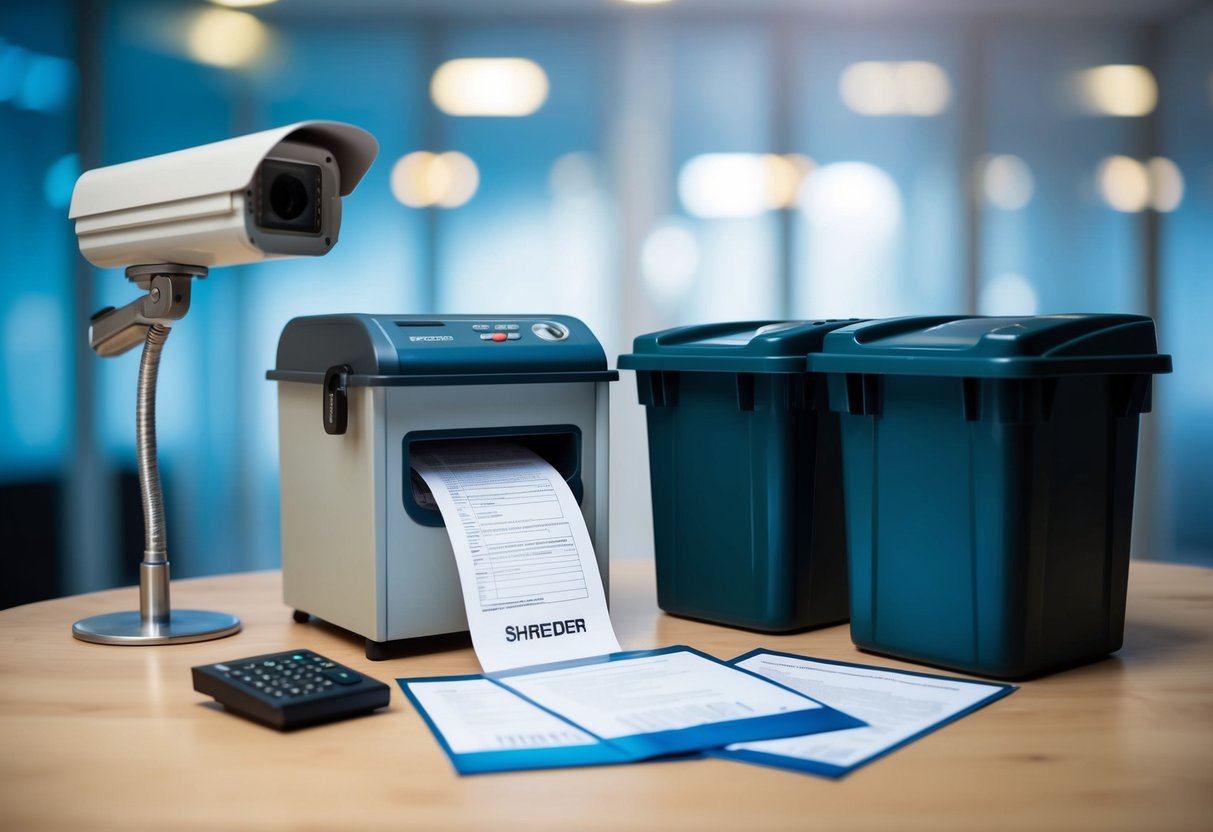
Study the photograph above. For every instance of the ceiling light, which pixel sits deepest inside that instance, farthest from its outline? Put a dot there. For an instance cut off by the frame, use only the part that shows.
(1123, 183)
(1006, 182)
(225, 38)
(1166, 184)
(720, 185)
(895, 88)
(423, 179)
(1118, 90)
(489, 87)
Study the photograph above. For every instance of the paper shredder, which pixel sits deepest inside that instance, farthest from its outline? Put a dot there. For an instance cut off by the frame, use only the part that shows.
(358, 393)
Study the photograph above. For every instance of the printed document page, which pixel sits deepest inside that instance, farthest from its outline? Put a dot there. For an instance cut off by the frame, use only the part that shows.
(478, 715)
(530, 581)
(653, 692)
(484, 727)
(898, 706)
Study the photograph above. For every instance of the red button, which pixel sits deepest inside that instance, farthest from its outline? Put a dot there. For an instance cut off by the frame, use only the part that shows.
(498, 336)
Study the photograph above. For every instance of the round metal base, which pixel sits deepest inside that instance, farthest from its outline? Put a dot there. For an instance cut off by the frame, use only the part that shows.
(182, 627)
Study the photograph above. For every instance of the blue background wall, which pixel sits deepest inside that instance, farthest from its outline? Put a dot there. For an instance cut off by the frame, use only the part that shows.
(569, 201)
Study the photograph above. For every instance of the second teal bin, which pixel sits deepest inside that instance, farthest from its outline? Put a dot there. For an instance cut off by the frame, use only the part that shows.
(989, 467)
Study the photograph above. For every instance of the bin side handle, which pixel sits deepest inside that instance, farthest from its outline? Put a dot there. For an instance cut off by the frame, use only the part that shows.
(863, 394)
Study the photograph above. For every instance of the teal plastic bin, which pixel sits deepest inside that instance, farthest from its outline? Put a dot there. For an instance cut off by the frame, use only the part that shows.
(745, 473)
(989, 466)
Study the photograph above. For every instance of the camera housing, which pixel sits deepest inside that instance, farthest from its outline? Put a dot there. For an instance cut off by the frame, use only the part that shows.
(263, 196)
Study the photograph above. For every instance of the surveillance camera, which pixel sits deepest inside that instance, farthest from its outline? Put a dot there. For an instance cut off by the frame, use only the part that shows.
(257, 197)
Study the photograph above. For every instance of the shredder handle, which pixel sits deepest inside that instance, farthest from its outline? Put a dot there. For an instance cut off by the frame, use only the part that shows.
(335, 408)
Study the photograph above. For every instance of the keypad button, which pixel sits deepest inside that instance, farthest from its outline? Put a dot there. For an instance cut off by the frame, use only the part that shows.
(343, 677)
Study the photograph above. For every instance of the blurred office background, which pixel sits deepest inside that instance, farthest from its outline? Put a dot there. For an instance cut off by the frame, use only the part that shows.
(639, 166)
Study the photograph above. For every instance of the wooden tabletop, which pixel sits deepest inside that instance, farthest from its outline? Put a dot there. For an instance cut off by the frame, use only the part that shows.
(101, 737)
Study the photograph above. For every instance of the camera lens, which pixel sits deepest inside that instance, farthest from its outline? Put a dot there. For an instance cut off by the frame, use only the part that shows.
(288, 196)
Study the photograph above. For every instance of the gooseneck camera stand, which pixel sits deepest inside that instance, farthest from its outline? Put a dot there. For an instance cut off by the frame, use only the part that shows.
(114, 331)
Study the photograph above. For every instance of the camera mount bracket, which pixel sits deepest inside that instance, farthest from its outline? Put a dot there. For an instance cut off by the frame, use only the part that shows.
(113, 332)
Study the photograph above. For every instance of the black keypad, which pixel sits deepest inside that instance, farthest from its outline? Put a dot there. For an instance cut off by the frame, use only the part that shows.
(288, 690)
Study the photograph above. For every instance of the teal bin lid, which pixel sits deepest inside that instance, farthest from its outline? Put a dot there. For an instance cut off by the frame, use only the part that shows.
(989, 347)
(736, 347)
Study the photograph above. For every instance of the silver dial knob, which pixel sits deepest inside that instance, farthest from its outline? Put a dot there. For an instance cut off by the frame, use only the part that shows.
(550, 331)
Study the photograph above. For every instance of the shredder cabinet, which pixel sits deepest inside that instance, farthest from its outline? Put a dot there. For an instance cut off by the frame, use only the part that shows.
(358, 549)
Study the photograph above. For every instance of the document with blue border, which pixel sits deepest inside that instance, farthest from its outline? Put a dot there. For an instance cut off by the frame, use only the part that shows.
(899, 706)
(624, 707)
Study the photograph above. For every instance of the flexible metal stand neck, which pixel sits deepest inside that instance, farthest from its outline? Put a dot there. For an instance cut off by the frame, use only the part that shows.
(113, 332)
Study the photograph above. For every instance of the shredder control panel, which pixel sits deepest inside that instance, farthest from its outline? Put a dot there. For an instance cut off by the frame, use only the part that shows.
(400, 346)
(495, 332)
